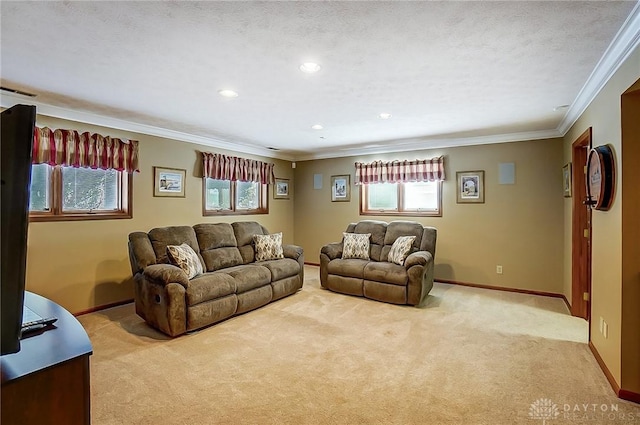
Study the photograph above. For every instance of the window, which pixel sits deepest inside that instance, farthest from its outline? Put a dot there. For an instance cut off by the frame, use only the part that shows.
(69, 193)
(411, 199)
(226, 197)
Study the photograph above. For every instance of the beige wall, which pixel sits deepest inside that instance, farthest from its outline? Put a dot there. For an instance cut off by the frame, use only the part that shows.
(84, 264)
(603, 115)
(519, 226)
(630, 362)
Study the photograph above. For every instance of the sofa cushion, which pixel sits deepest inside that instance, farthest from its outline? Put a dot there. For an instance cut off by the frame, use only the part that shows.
(349, 268)
(209, 286)
(221, 258)
(356, 246)
(268, 247)
(400, 249)
(215, 235)
(248, 276)
(141, 252)
(398, 228)
(173, 235)
(378, 230)
(244, 231)
(186, 258)
(385, 272)
(282, 268)
(218, 245)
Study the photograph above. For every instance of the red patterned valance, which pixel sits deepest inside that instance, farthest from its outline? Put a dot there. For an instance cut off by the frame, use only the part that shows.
(223, 167)
(72, 149)
(420, 170)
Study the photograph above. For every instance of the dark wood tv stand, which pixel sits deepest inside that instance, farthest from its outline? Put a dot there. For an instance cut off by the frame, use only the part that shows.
(47, 381)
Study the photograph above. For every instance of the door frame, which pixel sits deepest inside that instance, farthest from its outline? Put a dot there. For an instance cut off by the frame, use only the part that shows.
(580, 231)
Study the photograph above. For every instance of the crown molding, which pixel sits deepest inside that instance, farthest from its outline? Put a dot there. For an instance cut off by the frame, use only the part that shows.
(624, 43)
(425, 143)
(8, 99)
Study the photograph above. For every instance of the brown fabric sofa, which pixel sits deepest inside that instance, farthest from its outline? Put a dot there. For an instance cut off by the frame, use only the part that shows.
(232, 282)
(377, 278)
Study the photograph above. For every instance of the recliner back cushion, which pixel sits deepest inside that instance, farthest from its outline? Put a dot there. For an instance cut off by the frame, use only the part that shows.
(218, 245)
(244, 231)
(141, 252)
(398, 228)
(429, 238)
(378, 230)
(160, 237)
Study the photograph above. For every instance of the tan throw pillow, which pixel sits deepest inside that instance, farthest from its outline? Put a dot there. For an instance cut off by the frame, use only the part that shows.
(356, 245)
(268, 247)
(186, 258)
(400, 249)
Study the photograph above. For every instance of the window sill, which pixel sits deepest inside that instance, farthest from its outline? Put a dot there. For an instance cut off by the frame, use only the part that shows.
(403, 213)
(79, 217)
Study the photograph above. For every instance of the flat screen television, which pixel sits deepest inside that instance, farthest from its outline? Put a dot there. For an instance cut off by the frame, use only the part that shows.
(17, 127)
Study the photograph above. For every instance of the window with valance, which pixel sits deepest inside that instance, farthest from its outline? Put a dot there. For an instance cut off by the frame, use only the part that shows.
(234, 185)
(412, 188)
(420, 170)
(81, 176)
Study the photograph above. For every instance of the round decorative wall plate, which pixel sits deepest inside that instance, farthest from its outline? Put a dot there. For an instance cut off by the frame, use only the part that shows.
(601, 178)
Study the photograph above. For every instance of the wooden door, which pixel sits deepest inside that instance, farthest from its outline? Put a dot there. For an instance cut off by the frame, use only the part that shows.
(581, 230)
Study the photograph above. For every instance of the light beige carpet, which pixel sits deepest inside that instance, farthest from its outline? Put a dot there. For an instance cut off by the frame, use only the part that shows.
(470, 356)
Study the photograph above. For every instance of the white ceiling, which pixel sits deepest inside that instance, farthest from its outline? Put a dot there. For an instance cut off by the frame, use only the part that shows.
(450, 73)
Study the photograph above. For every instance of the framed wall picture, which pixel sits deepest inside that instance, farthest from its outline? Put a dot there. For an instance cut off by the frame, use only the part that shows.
(470, 189)
(566, 180)
(281, 189)
(169, 182)
(341, 188)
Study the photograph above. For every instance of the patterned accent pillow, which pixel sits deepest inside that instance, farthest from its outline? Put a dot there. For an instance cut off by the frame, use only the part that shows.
(186, 258)
(268, 247)
(400, 249)
(356, 245)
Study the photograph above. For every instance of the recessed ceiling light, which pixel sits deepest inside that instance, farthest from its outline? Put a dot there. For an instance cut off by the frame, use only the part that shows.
(317, 127)
(228, 93)
(310, 67)
(560, 108)
(385, 115)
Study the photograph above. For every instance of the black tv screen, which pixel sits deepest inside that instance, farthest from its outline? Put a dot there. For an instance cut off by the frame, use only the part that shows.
(16, 139)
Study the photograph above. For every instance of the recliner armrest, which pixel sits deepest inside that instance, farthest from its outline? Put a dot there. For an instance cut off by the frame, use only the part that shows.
(332, 250)
(292, 251)
(165, 274)
(418, 258)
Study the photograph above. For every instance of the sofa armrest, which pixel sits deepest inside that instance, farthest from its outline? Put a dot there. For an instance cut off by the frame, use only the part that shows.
(418, 258)
(420, 266)
(292, 251)
(332, 250)
(164, 274)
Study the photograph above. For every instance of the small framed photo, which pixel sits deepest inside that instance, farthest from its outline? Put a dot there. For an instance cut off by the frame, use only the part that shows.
(470, 187)
(281, 189)
(341, 188)
(169, 182)
(566, 180)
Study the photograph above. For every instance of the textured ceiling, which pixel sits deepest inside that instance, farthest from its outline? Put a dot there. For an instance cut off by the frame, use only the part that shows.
(444, 70)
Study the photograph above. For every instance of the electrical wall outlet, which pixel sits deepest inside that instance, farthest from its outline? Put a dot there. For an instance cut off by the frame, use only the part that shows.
(499, 269)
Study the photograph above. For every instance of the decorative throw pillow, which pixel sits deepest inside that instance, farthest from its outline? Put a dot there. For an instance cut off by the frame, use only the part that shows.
(400, 249)
(268, 247)
(186, 258)
(356, 245)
